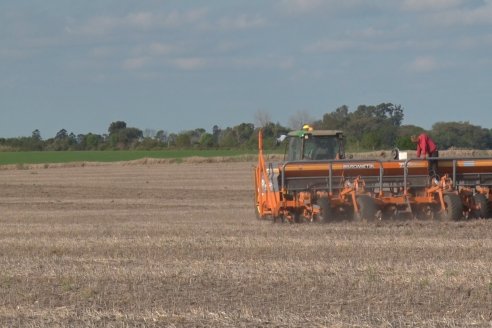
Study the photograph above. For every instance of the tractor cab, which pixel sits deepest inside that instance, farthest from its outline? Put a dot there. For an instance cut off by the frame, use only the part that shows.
(311, 145)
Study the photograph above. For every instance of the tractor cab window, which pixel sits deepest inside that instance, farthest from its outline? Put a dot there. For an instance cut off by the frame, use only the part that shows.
(311, 147)
(294, 149)
(320, 148)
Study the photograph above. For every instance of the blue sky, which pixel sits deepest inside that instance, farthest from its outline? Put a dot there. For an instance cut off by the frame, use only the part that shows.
(179, 65)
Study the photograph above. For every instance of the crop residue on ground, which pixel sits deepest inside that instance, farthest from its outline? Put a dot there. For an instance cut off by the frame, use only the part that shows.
(177, 245)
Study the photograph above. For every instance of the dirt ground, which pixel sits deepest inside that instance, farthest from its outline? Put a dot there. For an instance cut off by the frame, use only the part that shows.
(177, 245)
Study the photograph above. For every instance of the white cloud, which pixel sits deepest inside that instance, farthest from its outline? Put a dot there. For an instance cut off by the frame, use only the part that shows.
(326, 46)
(242, 22)
(302, 6)
(154, 50)
(228, 46)
(96, 26)
(423, 64)
(312, 6)
(304, 74)
(161, 49)
(472, 42)
(102, 52)
(368, 32)
(269, 62)
(103, 25)
(190, 64)
(11, 53)
(476, 16)
(423, 5)
(134, 63)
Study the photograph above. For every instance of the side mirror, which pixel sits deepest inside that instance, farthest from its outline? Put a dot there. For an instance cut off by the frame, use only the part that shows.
(280, 139)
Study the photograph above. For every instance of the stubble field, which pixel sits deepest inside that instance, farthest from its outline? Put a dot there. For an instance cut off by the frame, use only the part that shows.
(177, 245)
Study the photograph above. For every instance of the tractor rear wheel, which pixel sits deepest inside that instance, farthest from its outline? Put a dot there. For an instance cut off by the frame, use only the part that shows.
(482, 206)
(454, 208)
(367, 209)
(325, 210)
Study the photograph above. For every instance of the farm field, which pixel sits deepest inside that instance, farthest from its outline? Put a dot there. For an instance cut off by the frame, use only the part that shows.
(177, 245)
(42, 157)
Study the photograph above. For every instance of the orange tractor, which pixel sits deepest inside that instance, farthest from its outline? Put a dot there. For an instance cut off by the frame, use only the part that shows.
(315, 182)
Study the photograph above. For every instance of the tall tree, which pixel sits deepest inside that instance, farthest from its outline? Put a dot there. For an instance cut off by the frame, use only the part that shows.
(403, 141)
(216, 134)
(36, 135)
(61, 135)
(299, 118)
(461, 135)
(243, 132)
(161, 136)
(114, 127)
(183, 140)
(336, 120)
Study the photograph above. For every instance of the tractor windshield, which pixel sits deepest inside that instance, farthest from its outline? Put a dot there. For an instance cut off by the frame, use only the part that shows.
(311, 147)
(318, 148)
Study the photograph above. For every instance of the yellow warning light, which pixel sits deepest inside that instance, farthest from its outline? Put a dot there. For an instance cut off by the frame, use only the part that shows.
(307, 127)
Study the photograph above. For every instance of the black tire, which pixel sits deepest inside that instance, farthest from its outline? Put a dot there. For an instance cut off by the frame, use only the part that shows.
(278, 219)
(325, 214)
(424, 212)
(454, 208)
(367, 209)
(297, 217)
(483, 209)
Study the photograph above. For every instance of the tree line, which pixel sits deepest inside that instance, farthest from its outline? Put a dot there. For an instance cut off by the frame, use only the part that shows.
(366, 128)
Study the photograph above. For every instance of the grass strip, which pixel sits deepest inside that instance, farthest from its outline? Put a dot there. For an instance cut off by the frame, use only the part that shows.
(42, 157)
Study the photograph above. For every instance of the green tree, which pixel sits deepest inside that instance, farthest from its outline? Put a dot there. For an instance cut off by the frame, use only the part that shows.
(227, 139)
(92, 141)
(61, 135)
(171, 139)
(216, 134)
(62, 141)
(36, 135)
(243, 132)
(336, 120)
(271, 132)
(196, 135)
(207, 140)
(378, 124)
(183, 140)
(460, 135)
(130, 135)
(114, 127)
(123, 137)
(161, 136)
(403, 141)
(35, 142)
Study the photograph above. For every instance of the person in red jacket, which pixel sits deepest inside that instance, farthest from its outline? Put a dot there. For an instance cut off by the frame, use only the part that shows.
(426, 147)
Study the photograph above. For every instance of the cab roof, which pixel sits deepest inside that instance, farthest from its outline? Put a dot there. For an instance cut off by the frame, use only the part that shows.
(316, 133)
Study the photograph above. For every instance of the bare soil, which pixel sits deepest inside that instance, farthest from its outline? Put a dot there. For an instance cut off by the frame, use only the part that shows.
(178, 245)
